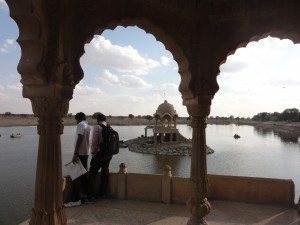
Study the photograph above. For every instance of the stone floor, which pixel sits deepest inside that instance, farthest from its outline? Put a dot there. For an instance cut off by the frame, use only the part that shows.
(128, 212)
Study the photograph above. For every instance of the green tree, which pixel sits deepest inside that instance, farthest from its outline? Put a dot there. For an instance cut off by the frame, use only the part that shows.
(290, 115)
(7, 114)
(148, 117)
(131, 116)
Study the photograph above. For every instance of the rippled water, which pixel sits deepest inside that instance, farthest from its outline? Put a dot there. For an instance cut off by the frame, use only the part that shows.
(257, 153)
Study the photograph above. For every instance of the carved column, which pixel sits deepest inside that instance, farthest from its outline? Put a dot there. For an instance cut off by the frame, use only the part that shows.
(48, 202)
(198, 203)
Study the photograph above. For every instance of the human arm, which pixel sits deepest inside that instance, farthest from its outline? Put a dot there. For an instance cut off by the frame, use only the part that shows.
(77, 145)
(95, 140)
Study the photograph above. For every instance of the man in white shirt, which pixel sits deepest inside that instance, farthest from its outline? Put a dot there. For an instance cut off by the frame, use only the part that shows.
(81, 152)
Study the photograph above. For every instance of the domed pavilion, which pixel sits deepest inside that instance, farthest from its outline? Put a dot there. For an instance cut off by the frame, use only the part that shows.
(165, 130)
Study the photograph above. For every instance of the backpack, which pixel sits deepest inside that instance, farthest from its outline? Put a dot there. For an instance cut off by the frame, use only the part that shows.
(110, 141)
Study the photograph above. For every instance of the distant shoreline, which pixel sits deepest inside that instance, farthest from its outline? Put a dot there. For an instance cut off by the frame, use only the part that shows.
(14, 121)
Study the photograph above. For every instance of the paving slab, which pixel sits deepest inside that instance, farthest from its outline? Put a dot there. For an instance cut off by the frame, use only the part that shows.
(130, 212)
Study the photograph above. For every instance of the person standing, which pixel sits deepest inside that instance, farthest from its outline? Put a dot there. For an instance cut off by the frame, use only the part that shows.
(99, 160)
(81, 152)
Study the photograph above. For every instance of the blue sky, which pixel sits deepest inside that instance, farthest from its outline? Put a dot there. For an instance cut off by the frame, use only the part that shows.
(128, 72)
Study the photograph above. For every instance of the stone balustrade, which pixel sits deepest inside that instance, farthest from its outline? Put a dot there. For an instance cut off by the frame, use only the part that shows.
(170, 189)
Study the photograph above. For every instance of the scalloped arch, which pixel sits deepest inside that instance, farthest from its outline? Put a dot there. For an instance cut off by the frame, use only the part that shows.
(159, 34)
(294, 37)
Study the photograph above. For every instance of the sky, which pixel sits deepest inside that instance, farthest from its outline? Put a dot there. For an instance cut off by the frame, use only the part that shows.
(127, 71)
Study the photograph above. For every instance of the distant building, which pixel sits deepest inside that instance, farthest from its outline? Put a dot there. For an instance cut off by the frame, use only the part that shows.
(165, 124)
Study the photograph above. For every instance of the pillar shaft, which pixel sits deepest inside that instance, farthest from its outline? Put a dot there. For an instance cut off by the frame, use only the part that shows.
(198, 203)
(48, 202)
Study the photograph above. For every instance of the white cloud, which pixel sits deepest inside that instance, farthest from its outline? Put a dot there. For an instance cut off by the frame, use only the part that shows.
(263, 77)
(11, 99)
(107, 78)
(82, 89)
(3, 96)
(130, 81)
(7, 45)
(91, 99)
(167, 90)
(3, 50)
(126, 81)
(165, 60)
(17, 87)
(3, 4)
(101, 52)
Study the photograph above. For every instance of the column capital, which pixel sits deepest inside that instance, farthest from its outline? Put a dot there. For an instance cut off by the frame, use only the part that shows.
(199, 115)
(199, 106)
(50, 111)
(49, 106)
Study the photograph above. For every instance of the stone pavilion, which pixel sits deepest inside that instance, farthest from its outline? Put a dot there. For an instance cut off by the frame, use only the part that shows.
(165, 124)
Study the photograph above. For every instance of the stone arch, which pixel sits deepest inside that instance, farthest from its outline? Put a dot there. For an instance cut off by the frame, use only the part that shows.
(293, 36)
(30, 41)
(160, 35)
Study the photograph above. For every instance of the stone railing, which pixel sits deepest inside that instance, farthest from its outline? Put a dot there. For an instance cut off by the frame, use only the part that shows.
(168, 189)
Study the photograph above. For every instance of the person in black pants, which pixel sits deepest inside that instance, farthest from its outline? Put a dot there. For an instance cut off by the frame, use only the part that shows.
(81, 152)
(99, 161)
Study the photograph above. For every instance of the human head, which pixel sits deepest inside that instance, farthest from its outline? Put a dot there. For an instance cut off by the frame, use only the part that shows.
(80, 117)
(101, 117)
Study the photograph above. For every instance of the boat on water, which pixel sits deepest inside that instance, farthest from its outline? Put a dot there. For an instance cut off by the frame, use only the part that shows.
(16, 135)
(122, 144)
(236, 136)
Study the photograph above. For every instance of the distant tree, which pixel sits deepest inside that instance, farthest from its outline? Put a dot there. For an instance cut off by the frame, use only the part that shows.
(148, 117)
(131, 116)
(69, 115)
(275, 116)
(7, 114)
(290, 115)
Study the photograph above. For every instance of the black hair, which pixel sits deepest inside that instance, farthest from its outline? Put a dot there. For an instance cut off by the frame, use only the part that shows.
(80, 116)
(101, 117)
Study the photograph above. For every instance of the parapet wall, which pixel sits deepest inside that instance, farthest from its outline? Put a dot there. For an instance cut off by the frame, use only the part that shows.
(168, 189)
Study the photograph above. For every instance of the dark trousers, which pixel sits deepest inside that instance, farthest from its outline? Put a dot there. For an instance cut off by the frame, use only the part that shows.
(98, 161)
(80, 185)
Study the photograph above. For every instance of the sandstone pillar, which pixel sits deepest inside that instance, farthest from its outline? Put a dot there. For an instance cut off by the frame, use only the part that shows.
(122, 182)
(155, 138)
(48, 202)
(166, 185)
(198, 203)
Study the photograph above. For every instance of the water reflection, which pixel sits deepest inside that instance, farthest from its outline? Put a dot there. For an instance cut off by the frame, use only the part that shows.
(285, 137)
(258, 153)
(179, 165)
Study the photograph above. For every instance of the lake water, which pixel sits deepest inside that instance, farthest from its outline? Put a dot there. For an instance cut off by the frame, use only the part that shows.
(257, 153)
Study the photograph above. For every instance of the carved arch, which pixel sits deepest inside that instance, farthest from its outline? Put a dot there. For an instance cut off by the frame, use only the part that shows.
(30, 39)
(293, 36)
(169, 43)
